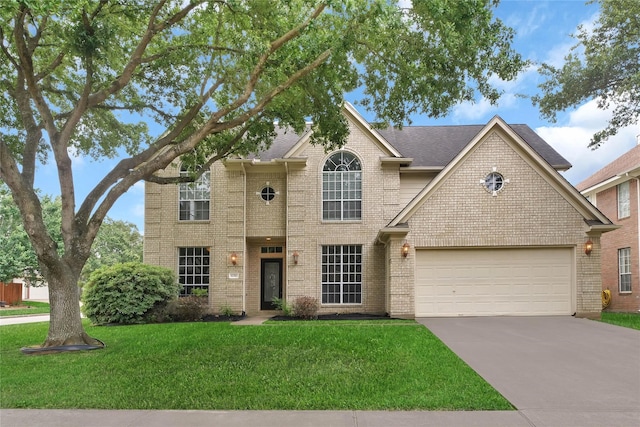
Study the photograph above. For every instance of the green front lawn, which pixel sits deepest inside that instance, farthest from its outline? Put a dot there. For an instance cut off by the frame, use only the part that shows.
(628, 320)
(27, 307)
(292, 365)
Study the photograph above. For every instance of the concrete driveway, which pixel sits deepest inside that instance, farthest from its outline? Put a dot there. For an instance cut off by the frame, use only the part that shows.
(554, 370)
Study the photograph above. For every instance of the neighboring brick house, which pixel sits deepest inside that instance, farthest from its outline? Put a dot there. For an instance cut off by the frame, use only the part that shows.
(615, 191)
(423, 221)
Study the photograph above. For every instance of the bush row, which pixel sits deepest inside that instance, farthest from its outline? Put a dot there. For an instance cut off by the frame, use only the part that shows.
(132, 293)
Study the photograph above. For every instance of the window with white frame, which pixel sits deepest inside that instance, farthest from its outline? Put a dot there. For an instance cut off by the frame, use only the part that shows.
(624, 269)
(342, 187)
(193, 269)
(194, 197)
(623, 200)
(342, 274)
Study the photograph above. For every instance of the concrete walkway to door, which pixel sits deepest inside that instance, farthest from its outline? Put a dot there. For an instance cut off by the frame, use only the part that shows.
(554, 370)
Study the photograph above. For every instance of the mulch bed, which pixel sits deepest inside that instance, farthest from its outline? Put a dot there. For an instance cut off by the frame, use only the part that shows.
(220, 318)
(339, 316)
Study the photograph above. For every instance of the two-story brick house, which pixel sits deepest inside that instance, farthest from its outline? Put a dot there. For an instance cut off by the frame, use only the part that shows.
(615, 190)
(423, 221)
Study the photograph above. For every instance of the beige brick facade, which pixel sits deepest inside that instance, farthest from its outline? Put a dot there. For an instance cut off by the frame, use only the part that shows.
(527, 212)
(530, 211)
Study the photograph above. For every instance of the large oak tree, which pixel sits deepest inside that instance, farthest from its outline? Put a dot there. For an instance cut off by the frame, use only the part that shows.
(90, 76)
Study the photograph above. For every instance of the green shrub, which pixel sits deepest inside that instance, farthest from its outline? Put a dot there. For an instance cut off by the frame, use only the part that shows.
(187, 309)
(282, 305)
(227, 311)
(196, 292)
(305, 307)
(128, 293)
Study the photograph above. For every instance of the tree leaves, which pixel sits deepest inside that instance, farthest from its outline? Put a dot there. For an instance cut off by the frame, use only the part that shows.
(604, 65)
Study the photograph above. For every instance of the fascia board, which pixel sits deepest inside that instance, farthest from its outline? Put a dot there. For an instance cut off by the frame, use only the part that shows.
(356, 117)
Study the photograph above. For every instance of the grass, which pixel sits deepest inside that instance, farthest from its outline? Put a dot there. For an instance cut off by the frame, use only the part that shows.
(628, 320)
(290, 365)
(29, 307)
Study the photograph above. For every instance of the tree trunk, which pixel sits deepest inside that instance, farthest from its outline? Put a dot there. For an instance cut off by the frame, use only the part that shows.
(65, 327)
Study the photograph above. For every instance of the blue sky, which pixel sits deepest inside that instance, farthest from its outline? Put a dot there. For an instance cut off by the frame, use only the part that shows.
(543, 29)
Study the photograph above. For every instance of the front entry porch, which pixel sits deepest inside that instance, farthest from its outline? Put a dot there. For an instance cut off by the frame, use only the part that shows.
(266, 275)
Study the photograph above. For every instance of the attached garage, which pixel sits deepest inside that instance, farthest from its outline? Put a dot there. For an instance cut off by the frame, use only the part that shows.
(490, 282)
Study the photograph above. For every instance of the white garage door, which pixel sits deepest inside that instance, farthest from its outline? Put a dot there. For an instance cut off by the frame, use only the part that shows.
(490, 282)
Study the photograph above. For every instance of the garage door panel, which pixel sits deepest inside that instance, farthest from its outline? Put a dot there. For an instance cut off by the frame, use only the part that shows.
(494, 282)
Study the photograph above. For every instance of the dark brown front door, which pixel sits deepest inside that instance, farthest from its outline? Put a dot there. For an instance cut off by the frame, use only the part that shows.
(270, 282)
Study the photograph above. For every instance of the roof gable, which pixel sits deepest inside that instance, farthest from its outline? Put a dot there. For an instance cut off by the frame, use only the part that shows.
(627, 163)
(359, 121)
(531, 156)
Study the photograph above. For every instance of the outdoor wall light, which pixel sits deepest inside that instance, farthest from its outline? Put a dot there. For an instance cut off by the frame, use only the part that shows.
(405, 250)
(588, 247)
(295, 257)
(234, 258)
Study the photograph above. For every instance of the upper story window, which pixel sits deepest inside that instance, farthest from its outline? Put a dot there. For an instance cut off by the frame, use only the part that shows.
(342, 187)
(623, 200)
(195, 197)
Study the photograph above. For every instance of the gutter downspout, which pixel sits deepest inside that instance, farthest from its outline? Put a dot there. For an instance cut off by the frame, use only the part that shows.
(286, 234)
(244, 239)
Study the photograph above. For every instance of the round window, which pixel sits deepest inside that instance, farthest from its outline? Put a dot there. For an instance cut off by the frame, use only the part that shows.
(268, 194)
(493, 182)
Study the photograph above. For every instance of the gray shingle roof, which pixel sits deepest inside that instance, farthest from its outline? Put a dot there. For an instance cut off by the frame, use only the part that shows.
(436, 146)
(284, 140)
(429, 146)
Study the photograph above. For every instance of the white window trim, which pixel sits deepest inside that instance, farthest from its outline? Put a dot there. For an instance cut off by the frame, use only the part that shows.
(623, 198)
(341, 283)
(341, 220)
(205, 252)
(204, 179)
(624, 269)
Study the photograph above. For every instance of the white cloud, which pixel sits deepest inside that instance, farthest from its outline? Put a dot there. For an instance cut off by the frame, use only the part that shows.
(556, 55)
(480, 110)
(77, 160)
(572, 141)
(524, 28)
(472, 111)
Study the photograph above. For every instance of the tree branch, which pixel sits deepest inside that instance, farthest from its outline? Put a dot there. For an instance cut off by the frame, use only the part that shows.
(220, 154)
(136, 57)
(258, 69)
(28, 204)
(125, 165)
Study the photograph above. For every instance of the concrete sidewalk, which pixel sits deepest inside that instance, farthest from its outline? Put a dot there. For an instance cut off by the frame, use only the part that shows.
(102, 418)
(16, 320)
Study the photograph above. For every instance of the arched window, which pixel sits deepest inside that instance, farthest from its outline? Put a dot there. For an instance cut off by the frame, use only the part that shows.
(194, 197)
(342, 187)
